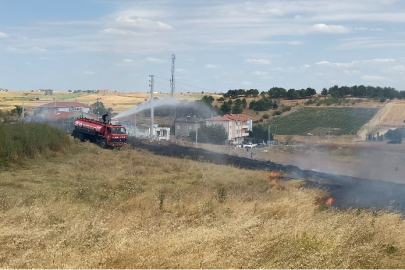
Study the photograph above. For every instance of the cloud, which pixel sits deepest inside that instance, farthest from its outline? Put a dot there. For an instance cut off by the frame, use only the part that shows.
(89, 73)
(295, 43)
(322, 63)
(154, 60)
(114, 31)
(127, 61)
(210, 66)
(330, 29)
(372, 77)
(246, 83)
(142, 23)
(3, 35)
(258, 61)
(260, 73)
(398, 67)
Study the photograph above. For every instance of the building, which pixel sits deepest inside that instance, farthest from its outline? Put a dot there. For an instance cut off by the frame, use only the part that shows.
(236, 125)
(183, 126)
(64, 106)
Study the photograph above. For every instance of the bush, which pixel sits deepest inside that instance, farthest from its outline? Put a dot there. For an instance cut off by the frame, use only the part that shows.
(266, 116)
(27, 140)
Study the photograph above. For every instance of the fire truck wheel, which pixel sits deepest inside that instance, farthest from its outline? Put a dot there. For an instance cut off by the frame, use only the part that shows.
(103, 144)
(80, 136)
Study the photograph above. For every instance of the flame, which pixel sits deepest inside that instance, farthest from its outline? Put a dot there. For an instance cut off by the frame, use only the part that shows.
(329, 201)
(275, 176)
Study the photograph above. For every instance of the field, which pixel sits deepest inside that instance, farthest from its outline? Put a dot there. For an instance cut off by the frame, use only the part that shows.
(136, 210)
(119, 102)
(321, 121)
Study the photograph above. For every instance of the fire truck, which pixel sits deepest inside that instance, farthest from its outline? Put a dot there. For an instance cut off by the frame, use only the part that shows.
(103, 134)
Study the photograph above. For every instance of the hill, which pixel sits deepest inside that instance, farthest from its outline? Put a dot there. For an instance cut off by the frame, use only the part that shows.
(95, 208)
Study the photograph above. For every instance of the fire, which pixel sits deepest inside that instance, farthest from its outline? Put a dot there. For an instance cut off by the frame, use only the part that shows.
(275, 176)
(329, 201)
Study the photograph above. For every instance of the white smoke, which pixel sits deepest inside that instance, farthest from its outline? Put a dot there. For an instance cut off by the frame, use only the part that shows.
(147, 105)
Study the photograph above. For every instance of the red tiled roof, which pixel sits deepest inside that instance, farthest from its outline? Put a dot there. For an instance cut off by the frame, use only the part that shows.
(228, 117)
(58, 116)
(64, 104)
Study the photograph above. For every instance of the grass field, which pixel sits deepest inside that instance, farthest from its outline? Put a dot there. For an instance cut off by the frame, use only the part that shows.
(321, 121)
(95, 208)
(119, 102)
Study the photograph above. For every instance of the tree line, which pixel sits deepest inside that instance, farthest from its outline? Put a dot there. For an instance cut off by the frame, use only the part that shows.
(362, 91)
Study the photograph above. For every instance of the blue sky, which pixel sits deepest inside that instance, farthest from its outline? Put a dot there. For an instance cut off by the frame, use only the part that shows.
(219, 45)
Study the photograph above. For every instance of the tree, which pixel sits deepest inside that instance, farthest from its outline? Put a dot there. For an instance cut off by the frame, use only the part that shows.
(237, 109)
(226, 108)
(244, 103)
(208, 99)
(99, 108)
(215, 134)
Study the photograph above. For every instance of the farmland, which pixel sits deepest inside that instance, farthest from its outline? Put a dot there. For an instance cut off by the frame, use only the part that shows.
(321, 121)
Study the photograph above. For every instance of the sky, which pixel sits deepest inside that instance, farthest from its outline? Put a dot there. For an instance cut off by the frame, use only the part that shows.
(218, 45)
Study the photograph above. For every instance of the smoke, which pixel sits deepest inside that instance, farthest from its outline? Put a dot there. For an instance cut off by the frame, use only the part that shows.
(163, 106)
(147, 105)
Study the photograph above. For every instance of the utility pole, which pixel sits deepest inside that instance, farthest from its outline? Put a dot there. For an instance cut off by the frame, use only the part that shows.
(152, 116)
(172, 83)
(269, 136)
(135, 127)
(22, 112)
(196, 136)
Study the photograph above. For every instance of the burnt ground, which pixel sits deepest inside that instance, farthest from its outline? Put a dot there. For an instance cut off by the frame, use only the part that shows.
(347, 191)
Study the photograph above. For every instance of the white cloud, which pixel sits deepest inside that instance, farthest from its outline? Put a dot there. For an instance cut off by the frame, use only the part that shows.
(3, 35)
(154, 60)
(305, 66)
(89, 72)
(142, 23)
(38, 50)
(261, 73)
(295, 43)
(246, 83)
(398, 67)
(211, 66)
(258, 61)
(114, 31)
(372, 77)
(323, 63)
(330, 29)
(127, 61)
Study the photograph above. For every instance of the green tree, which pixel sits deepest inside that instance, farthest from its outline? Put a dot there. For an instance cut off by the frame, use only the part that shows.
(237, 109)
(226, 108)
(99, 108)
(244, 103)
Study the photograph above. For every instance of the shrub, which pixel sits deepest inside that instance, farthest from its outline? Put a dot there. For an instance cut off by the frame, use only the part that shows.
(27, 140)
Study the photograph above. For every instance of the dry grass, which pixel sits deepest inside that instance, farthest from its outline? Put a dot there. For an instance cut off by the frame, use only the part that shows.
(131, 209)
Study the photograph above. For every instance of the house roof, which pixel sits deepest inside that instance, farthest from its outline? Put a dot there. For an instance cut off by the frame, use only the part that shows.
(64, 104)
(228, 117)
(57, 116)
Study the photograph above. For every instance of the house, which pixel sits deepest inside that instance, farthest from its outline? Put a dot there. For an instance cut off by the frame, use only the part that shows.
(236, 125)
(63, 106)
(183, 126)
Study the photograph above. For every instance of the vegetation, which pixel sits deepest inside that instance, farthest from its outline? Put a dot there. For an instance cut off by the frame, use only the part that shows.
(20, 141)
(321, 121)
(137, 210)
(214, 134)
(99, 108)
(362, 91)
